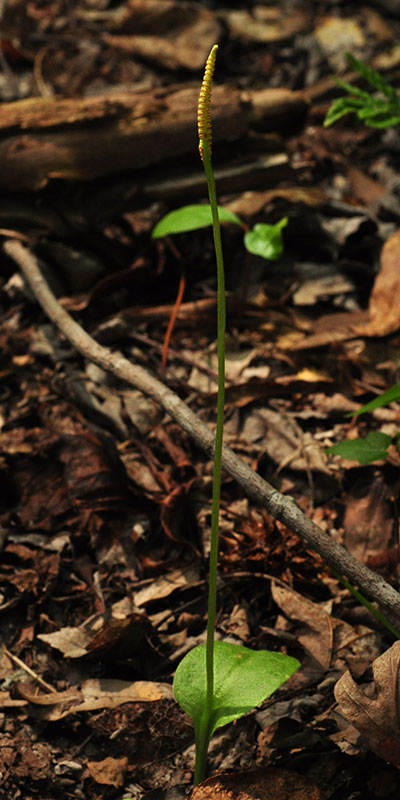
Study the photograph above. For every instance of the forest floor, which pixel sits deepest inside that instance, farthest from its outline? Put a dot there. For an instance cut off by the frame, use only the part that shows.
(105, 502)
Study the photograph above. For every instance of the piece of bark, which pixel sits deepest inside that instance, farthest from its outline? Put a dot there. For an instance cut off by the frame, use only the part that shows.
(46, 138)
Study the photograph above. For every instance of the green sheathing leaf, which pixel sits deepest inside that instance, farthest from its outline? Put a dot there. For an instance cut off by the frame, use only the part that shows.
(191, 218)
(384, 399)
(266, 240)
(365, 451)
(243, 678)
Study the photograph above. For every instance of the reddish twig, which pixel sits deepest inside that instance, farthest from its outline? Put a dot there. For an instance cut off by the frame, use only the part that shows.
(172, 320)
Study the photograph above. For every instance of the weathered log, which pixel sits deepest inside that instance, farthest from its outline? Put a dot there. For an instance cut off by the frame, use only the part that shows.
(46, 138)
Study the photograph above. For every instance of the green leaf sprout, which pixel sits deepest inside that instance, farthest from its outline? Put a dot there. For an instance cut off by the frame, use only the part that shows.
(376, 112)
(266, 240)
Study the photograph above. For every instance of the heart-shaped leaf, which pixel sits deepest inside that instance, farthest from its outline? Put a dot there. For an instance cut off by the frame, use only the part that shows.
(243, 678)
(191, 218)
(266, 240)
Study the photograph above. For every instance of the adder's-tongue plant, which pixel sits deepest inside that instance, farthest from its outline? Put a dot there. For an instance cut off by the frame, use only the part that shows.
(219, 682)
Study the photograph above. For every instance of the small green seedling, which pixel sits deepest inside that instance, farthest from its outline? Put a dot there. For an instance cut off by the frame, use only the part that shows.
(218, 682)
(375, 445)
(263, 240)
(376, 112)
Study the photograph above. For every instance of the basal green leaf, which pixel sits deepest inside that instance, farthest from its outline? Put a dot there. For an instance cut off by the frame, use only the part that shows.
(382, 400)
(365, 451)
(266, 240)
(243, 678)
(191, 218)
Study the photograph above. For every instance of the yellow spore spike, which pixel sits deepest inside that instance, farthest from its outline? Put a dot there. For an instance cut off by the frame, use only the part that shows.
(203, 108)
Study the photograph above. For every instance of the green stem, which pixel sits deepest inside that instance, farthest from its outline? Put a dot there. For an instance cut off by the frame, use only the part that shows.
(202, 742)
(201, 750)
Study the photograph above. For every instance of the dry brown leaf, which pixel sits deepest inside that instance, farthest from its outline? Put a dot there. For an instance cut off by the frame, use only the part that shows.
(265, 24)
(119, 635)
(173, 34)
(317, 636)
(374, 710)
(93, 695)
(330, 641)
(248, 204)
(283, 440)
(330, 328)
(368, 519)
(7, 702)
(384, 304)
(164, 585)
(110, 772)
(263, 784)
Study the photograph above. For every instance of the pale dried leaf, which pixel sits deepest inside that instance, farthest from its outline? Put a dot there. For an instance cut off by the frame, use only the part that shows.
(100, 633)
(265, 24)
(283, 440)
(164, 585)
(171, 34)
(93, 695)
(70, 641)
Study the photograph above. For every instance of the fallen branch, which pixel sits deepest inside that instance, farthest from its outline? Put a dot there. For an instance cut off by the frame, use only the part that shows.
(281, 507)
(88, 138)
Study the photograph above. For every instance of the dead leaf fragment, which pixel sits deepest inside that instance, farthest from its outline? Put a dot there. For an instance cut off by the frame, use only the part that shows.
(92, 696)
(317, 636)
(164, 585)
(283, 440)
(172, 34)
(110, 772)
(368, 519)
(265, 24)
(115, 636)
(330, 641)
(6, 701)
(384, 304)
(263, 784)
(374, 710)
(336, 35)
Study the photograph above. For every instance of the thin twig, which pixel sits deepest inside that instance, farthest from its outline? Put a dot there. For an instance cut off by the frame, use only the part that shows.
(29, 671)
(281, 507)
